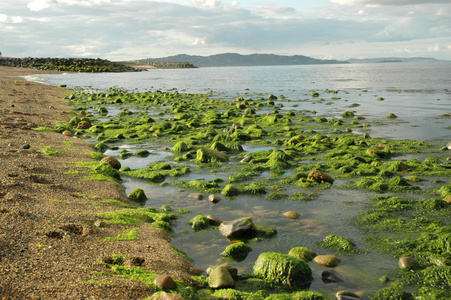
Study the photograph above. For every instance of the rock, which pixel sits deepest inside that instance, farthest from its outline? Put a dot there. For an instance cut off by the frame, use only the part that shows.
(213, 221)
(366, 135)
(302, 253)
(220, 278)
(196, 196)
(345, 295)
(236, 228)
(406, 262)
(291, 215)
(84, 125)
(230, 191)
(232, 270)
(348, 130)
(329, 261)
(392, 116)
(214, 198)
(249, 158)
(195, 271)
(199, 222)
(165, 282)
(319, 176)
(26, 146)
(67, 133)
(332, 276)
(238, 251)
(112, 161)
(137, 195)
(165, 296)
(286, 270)
(99, 224)
(206, 155)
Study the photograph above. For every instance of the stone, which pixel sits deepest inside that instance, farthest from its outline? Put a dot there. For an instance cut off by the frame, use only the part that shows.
(329, 261)
(165, 296)
(220, 278)
(84, 125)
(236, 228)
(26, 146)
(112, 161)
(392, 116)
(302, 253)
(345, 295)
(206, 155)
(165, 282)
(67, 133)
(232, 270)
(214, 198)
(137, 195)
(291, 215)
(320, 176)
(213, 221)
(196, 196)
(406, 262)
(249, 158)
(332, 276)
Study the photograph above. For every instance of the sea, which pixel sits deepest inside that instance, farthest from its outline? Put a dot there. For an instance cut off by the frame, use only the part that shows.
(418, 93)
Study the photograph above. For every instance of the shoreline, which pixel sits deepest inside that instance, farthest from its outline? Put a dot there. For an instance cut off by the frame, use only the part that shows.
(49, 247)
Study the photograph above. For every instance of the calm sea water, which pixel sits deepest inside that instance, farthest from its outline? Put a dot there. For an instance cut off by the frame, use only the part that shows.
(419, 93)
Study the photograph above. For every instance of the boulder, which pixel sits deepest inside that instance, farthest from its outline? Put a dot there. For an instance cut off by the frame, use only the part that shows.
(320, 176)
(291, 215)
(84, 125)
(303, 253)
(196, 196)
(220, 278)
(205, 155)
(282, 269)
(137, 195)
(236, 229)
(238, 251)
(165, 282)
(112, 161)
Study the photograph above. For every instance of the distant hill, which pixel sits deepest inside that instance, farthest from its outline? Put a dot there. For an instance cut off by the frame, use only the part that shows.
(235, 59)
(390, 59)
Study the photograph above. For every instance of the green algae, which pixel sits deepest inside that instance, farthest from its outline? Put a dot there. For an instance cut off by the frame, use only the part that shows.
(128, 235)
(302, 253)
(137, 195)
(286, 270)
(339, 244)
(237, 251)
(230, 191)
(199, 222)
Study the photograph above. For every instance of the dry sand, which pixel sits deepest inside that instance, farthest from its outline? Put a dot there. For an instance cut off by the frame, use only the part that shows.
(49, 248)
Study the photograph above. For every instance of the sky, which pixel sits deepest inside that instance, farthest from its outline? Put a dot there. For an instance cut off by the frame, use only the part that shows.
(138, 29)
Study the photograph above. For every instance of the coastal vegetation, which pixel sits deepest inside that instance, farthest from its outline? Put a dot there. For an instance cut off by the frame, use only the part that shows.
(304, 153)
(67, 64)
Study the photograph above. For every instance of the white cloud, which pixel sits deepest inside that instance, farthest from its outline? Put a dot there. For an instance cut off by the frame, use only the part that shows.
(207, 3)
(387, 2)
(10, 19)
(38, 5)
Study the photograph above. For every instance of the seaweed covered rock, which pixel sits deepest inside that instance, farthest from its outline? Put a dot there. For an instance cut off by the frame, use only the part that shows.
(392, 293)
(237, 251)
(302, 253)
(278, 160)
(180, 147)
(286, 270)
(205, 155)
(112, 161)
(199, 222)
(320, 176)
(230, 191)
(339, 243)
(137, 195)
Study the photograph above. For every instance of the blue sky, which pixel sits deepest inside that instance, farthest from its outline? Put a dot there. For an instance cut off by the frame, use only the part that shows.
(135, 29)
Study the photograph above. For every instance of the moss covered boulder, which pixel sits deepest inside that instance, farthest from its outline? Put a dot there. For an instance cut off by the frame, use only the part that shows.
(286, 270)
(320, 176)
(302, 253)
(237, 251)
(112, 161)
(205, 155)
(137, 195)
(339, 244)
(199, 222)
(230, 191)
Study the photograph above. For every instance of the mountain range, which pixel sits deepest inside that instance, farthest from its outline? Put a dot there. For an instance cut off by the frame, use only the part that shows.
(235, 59)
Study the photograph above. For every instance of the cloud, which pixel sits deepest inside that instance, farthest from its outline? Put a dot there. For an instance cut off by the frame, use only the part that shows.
(388, 2)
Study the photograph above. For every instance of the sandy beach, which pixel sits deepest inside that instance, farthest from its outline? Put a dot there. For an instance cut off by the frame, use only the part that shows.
(49, 247)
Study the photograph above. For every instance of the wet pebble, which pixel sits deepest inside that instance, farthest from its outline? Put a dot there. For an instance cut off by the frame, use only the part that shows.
(112, 161)
(67, 133)
(330, 261)
(213, 221)
(332, 276)
(291, 215)
(406, 262)
(345, 295)
(26, 146)
(214, 198)
(196, 196)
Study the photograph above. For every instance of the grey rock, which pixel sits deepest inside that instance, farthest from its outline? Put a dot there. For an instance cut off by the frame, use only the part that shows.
(332, 276)
(220, 278)
(214, 198)
(196, 196)
(236, 228)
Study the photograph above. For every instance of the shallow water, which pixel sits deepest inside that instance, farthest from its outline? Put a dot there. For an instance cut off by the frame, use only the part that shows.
(417, 93)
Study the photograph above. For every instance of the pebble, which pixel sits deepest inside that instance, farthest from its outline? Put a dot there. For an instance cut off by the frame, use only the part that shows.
(332, 276)
(196, 196)
(67, 133)
(406, 262)
(345, 295)
(291, 215)
(26, 146)
(330, 261)
(165, 282)
(213, 221)
(214, 198)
